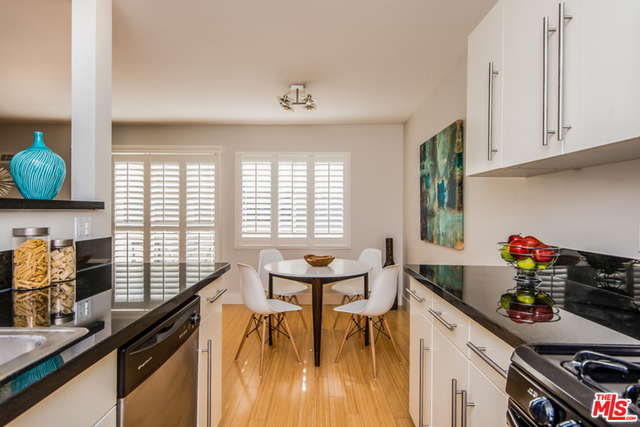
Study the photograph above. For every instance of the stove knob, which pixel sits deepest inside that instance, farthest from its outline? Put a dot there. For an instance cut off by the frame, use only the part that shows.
(570, 423)
(542, 411)
(195, 318)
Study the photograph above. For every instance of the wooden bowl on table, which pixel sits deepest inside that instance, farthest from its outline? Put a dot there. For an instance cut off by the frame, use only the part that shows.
(318, 260)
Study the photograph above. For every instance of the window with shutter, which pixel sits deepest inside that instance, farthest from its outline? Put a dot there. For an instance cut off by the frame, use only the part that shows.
(164, 215)
(292, 200)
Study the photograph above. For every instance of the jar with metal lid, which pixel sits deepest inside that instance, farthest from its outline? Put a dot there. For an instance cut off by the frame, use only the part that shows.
(31, 276)
(63, 280)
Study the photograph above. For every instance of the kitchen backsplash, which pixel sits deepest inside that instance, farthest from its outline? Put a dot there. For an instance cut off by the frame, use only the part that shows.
(93, 259)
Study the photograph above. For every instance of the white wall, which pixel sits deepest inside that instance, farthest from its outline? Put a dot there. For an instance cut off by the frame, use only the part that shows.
(376, 178)
(596, 209)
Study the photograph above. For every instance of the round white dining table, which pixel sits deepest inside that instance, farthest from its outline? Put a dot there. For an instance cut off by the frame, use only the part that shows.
(300, 271)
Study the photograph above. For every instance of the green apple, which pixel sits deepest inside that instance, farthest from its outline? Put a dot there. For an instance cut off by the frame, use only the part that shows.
(526, 297)
(504, 253)
(543, 298)
(507, 299)
(526, 263)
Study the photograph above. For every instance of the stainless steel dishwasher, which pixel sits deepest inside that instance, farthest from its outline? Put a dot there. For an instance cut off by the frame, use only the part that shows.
(157, 372)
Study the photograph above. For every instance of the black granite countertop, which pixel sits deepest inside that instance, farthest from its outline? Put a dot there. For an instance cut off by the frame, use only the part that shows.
(588, 311)
(115, 314)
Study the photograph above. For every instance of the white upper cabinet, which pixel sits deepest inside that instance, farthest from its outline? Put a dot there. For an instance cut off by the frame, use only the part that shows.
(569, 84)
(484, 94)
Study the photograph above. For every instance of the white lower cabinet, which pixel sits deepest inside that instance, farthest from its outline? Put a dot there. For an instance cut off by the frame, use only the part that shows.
(87, 400)
(210, 356)
(456, 383)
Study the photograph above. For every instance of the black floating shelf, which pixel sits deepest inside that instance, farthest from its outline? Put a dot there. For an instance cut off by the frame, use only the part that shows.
(21, 204)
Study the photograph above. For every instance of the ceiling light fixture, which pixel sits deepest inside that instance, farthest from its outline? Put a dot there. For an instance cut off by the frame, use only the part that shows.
(296, 96)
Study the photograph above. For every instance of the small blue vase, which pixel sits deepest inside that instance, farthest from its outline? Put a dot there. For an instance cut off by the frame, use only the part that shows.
(37, 171)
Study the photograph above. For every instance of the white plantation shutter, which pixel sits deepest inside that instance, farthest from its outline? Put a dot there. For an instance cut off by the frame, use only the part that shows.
(292, 196)
(329, 212)
(255, 190)
(293, 200)
(164, 214)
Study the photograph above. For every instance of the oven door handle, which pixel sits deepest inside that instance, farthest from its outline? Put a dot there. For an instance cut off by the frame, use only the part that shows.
(515, 418)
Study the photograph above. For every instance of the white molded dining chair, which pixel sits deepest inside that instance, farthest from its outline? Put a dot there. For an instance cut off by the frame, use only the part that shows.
(379, 303)
(353, 289)
(287, 290)
(255, 300)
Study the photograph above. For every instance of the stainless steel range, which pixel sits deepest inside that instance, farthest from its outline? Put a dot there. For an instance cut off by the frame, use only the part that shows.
(574, 385)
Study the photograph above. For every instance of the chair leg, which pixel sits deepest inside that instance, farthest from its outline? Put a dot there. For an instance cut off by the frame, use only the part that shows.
(244, 337)
(276, 319)
(372, 343)
(286, 325)
(301, 316)
(264, 336)
(386, 326)
(346, 332)
(344, 297)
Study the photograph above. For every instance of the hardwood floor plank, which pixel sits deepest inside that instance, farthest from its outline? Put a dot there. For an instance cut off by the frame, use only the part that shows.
(293, 394)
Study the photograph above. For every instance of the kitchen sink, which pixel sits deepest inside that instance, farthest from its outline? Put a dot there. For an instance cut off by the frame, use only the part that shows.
(23, 348)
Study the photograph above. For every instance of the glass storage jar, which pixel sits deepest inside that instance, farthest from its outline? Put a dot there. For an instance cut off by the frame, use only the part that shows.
(31, 276)
(63, 283)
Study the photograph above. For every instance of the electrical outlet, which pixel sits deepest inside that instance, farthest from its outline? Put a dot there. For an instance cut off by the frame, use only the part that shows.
(83, 310)
(83, 228)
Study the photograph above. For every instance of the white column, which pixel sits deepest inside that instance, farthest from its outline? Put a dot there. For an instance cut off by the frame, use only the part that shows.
(91, 99)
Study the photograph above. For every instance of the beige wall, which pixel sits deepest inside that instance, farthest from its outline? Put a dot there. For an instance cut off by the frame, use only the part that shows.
(595, 208)
(376, 177)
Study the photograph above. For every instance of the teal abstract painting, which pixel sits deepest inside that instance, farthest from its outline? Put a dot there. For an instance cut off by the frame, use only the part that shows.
(441, 188)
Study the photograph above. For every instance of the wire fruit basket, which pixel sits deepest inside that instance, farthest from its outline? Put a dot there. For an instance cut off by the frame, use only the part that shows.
(528, 305)
(528, 261)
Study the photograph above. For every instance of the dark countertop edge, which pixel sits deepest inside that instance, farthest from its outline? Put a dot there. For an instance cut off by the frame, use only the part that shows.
(505, 335)
(21, 204)
(30, 396)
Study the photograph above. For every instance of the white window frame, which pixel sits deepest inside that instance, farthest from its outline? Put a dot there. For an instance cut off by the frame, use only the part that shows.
(123, 150)
(273, 241)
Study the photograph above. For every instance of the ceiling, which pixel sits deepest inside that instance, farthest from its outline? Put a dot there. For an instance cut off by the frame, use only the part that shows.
(226, 61)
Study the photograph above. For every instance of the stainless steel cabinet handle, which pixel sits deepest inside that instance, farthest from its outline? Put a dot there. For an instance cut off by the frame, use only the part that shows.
(465, 405)
(492, 73)
(561, 18)
(413, 294)
(421, 392)
(545, 80)
(479, 352)
(219, 293)
(454, 404)
(208, 351)
(436, 314)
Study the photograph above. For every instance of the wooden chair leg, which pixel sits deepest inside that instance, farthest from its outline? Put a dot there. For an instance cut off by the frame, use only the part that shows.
(372, 343)
(386, 326)
(264, 336)
(286, 325)
(244, 337)
(346, 332)
(301, 316)
(344, 297)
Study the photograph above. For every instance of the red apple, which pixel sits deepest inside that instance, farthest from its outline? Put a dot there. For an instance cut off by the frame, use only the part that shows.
(542, 253)
(531, 241)
(542, 313)
(513, 237)
(518, 249)
(520, 313)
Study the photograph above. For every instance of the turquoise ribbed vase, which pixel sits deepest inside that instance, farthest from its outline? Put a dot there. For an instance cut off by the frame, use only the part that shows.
(37, 171)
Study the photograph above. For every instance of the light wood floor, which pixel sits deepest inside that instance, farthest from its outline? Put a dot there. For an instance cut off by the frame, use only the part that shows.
(292, 394)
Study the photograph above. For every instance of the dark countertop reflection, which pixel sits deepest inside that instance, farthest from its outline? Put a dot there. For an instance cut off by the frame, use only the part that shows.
(589, 311)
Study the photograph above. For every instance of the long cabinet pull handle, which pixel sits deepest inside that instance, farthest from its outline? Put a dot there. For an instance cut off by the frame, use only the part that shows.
(436, 314)
(545, 81)
(479, 351)
(465, 406)
(413, 294)
(208, 351)
(421, 391)
(492, 73)
(219, 293)
(561, 18)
